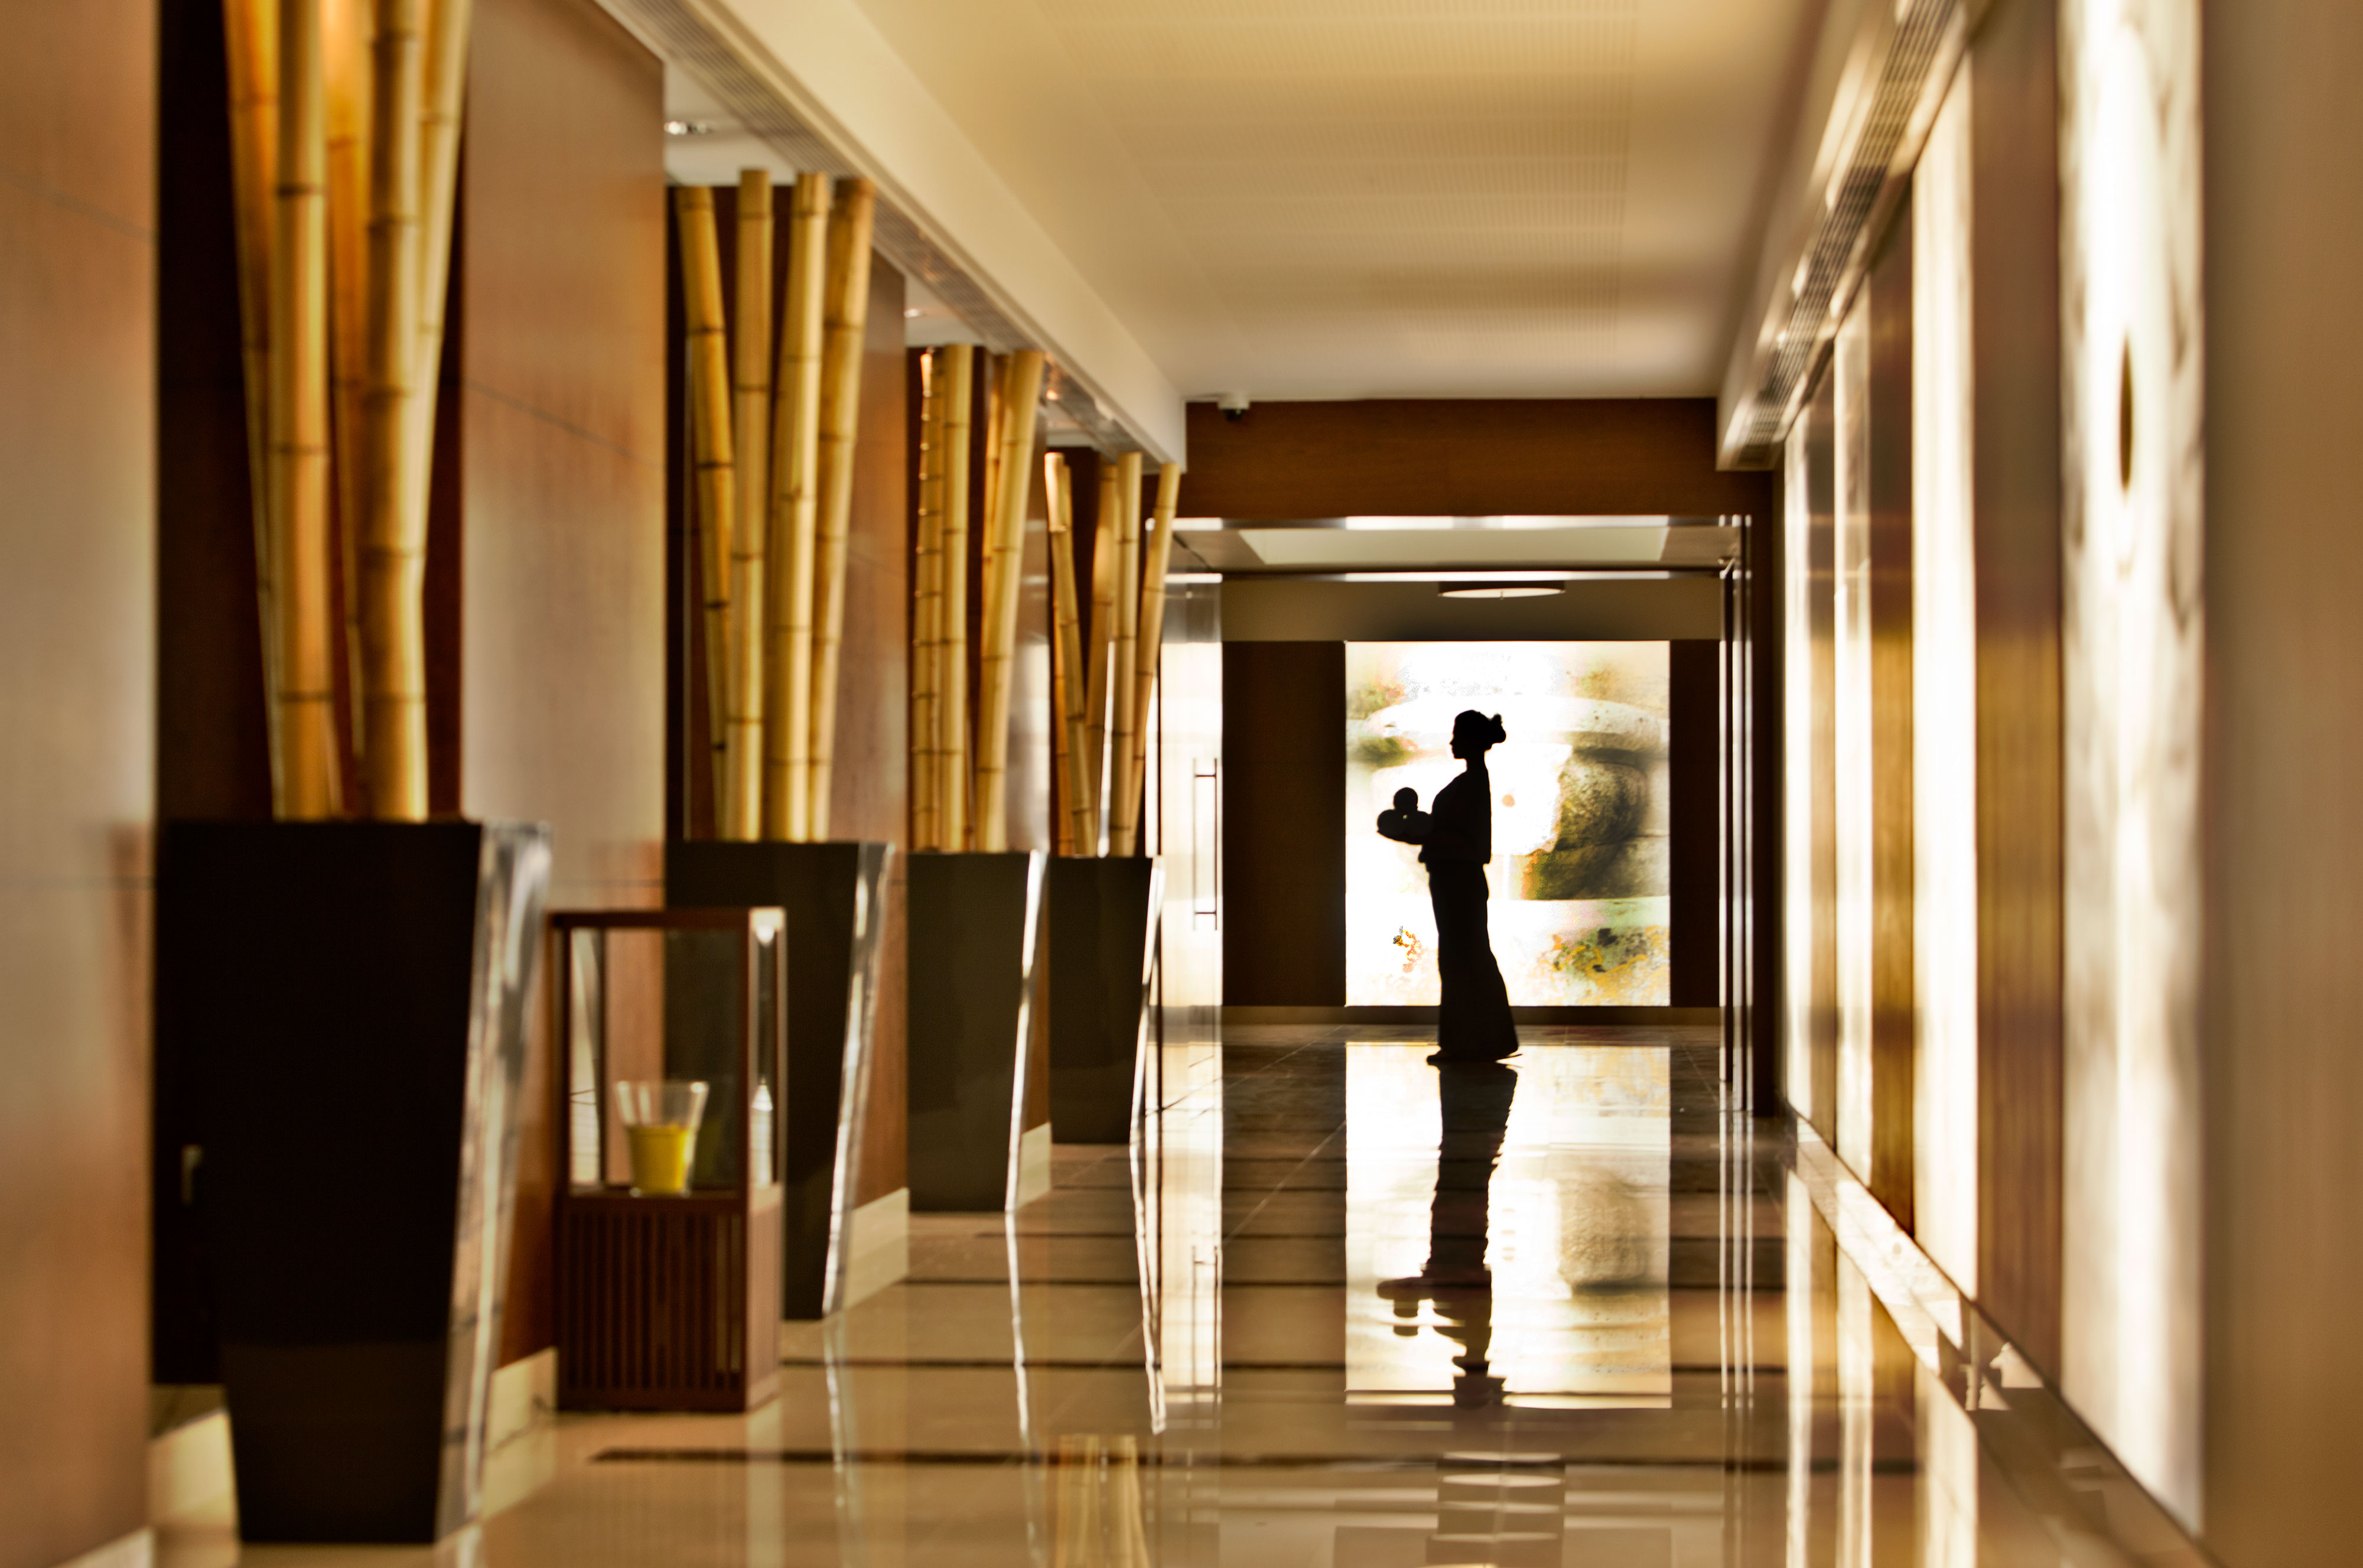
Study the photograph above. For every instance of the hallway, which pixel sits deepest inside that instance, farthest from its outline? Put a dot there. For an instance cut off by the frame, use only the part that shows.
(1620, 1397)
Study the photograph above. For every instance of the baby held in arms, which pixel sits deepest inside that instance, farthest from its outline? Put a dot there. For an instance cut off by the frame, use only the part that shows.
(1406, 824)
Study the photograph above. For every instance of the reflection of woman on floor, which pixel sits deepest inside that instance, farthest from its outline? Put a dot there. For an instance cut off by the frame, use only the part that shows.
(1455, 836)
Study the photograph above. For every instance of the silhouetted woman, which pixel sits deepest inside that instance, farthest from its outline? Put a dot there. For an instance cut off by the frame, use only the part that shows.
(1455, 836)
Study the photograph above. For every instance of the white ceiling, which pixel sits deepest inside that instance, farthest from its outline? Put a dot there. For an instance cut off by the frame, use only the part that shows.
(1352, 198)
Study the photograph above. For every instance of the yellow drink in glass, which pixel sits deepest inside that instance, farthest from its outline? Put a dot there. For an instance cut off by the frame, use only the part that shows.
(661, 1160)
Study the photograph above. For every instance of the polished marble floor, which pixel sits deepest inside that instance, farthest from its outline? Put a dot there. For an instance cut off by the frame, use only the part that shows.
(1336, 1306)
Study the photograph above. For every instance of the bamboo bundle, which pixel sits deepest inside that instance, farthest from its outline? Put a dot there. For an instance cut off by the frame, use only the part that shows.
(750, 418)
(851, 223)
(345, 38)
(714, 488)
(298, 415)
(926, 611)
(393, 510)
(251, 30)
(1152, 633)
(1020, 395)
(795, 516)
(952, 779)
(1101, 652)
(1079, 833)
(1123, 802)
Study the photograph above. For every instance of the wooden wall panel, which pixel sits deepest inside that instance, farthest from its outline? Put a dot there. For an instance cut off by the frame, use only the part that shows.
(2015, 326)
(1817, 428)
(1893, 1044)
(2283, 148)
(1695, 680)
(562, 485)
(1284, 824)
(213, 758)
(1463, 457)
(869, 794)
(77, 704)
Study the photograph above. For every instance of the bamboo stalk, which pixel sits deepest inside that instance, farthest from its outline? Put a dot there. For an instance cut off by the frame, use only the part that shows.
(795, 516)
(1101, 652)
(851, 223)
(251, 33)
(989, 372)
(926, 610)
(393, 502)
(952, 773)
(715, 490)
(299, 424)
(1062, 821)
(1124, 808)
(1021, 396)
(750, 409)
(1079, 830)
(444, 62)
(1152, 633)
(345, 40)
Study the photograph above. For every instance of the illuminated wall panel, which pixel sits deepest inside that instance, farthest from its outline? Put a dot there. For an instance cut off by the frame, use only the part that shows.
(1797, 999)
(2132, 404)
(1580, 912)
(1851, 726)
(1945, 706)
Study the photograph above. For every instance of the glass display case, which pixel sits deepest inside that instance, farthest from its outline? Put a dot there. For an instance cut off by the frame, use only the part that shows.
(668, 1290)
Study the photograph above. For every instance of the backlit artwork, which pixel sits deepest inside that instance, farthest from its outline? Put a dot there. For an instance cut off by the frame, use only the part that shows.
(1579, 913)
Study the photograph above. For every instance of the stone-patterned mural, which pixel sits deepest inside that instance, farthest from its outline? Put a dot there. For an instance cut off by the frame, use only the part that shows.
(1580, 912)
(2132, 638)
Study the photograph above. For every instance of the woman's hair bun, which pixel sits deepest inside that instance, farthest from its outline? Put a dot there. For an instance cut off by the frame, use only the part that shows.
(1470, 725)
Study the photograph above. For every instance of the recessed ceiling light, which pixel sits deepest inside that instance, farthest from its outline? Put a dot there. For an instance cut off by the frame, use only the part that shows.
(688, 128)
(1500, 590)
(911, 310)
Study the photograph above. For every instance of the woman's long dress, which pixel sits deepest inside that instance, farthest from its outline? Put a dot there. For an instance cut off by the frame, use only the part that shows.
(1473, 1015)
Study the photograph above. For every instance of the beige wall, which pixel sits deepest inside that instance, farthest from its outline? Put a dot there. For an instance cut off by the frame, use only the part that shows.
(2284, 851)
(77, 684)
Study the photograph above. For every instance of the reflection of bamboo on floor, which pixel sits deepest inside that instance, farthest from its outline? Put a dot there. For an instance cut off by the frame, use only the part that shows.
(1100, 1518)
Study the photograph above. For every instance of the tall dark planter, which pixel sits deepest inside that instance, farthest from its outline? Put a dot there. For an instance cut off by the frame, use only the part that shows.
(344, 1005)
(974, 922)
(1103, 942)
(835, 898)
